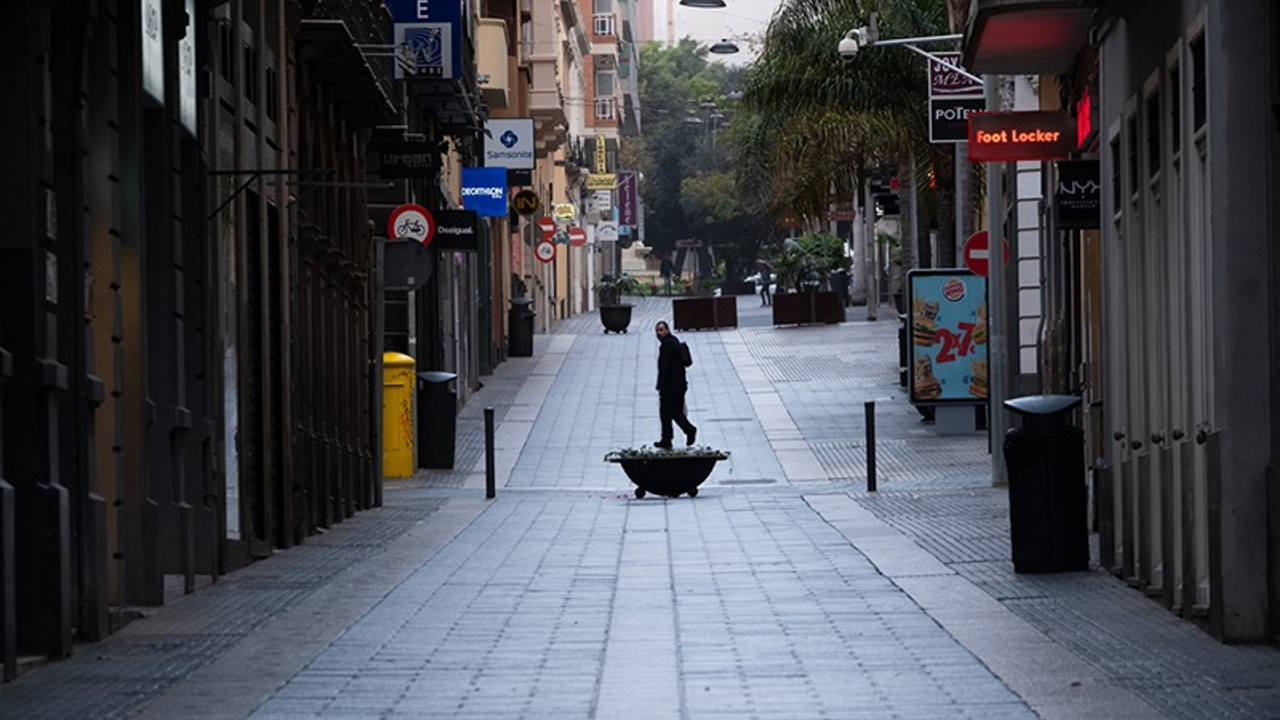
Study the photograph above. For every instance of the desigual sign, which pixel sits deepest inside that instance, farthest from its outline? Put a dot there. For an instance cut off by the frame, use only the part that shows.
(1011, 136)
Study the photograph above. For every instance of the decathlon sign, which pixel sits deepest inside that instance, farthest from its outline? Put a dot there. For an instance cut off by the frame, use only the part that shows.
(484, 190)
(509, 144)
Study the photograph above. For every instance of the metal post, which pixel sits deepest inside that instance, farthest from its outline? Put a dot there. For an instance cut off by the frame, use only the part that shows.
(999, 330)
(870, 408)
(869, 216)
(490, 491)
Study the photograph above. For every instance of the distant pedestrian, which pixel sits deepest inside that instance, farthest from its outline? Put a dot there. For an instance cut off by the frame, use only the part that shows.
(666, 270)
(766, 279)
(672, 385)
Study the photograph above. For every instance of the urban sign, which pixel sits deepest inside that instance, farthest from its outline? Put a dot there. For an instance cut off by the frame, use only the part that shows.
(402, 160)
(949, 118)
(411, 222)
(628, 212)
(949, 82)
(607, 231)
(577, 236)
(1020, 135)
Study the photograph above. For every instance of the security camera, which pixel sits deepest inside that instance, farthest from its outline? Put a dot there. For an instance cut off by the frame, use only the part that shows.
(848, 47)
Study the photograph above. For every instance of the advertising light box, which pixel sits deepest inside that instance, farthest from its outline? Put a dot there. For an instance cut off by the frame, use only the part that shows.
(1024, 135)
(948, 359)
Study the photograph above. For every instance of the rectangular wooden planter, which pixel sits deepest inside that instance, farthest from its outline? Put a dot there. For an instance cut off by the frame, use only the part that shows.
(801, 308)
(702, 313)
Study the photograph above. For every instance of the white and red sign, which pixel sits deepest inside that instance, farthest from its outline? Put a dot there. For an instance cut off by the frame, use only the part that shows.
(547, 226)
(977, 253)
(411, 222)
(545, 251)
(577, 236)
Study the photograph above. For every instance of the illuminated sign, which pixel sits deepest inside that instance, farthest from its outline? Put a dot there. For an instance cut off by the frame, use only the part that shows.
(948, 337)
(1012, 136)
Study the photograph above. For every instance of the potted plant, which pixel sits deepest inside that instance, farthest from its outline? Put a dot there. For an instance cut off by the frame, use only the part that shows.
(806, 266)
(670, 473)
(615, 315)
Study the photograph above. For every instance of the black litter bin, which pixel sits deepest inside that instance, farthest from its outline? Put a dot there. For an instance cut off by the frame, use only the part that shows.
(1048, 498)
(520, 320)
(437, 423)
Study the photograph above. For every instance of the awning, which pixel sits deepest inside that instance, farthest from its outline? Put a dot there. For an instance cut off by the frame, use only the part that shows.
(1015, 37)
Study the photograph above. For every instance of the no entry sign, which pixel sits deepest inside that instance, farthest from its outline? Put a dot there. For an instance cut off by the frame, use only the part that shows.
(547, 226)
(577, 236)
(977, 253)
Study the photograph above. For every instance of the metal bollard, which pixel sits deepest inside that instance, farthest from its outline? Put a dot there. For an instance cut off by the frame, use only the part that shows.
(870, 407)
(490, 491)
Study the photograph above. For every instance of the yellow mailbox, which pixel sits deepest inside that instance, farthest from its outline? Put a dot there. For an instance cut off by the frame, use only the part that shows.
(398, 384)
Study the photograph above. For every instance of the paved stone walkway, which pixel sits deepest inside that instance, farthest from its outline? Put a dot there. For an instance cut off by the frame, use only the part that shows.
(784, 590)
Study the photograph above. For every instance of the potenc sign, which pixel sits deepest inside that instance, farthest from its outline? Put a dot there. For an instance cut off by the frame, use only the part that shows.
(1028, 135)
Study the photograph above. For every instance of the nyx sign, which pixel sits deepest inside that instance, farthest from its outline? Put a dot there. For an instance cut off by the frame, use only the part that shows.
(1078, 198)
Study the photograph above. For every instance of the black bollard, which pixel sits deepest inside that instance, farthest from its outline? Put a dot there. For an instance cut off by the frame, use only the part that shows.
(870, 407)
(490, 492)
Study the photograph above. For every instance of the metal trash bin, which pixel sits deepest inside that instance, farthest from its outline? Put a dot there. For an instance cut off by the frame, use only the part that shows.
(520, 320)
(437, 419)
(1048, 497)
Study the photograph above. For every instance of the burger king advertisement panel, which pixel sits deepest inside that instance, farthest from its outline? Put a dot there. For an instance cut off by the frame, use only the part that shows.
(948, 358)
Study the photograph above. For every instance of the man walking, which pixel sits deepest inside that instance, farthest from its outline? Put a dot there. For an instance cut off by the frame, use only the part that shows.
(672, 385)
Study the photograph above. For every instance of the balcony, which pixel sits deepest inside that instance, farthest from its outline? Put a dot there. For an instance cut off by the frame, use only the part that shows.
(603, 24)
(330, 42)
(606, 108)
(491, 56)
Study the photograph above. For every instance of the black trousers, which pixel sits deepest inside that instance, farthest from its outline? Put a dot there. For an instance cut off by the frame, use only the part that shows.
(671, 409)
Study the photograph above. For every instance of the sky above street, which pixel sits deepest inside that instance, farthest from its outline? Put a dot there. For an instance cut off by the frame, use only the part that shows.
(738, 20)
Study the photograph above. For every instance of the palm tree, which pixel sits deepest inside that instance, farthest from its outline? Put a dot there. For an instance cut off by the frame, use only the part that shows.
(816, 123)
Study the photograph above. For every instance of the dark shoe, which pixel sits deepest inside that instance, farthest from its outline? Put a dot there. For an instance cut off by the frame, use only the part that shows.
(691, 437)
(663, 444)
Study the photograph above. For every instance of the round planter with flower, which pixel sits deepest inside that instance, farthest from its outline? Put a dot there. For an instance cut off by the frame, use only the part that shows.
(670, 473)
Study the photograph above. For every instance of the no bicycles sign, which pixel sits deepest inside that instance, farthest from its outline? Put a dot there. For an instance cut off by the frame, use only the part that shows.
(411, 222)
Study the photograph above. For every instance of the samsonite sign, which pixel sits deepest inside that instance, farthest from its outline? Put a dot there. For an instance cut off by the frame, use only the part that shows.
(1027, 135)
(509, 143)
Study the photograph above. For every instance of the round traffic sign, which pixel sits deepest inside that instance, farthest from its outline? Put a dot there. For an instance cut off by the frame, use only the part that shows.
(547, 226)
(577, 237)
(411, 222)
(977, 253)
(545, 251)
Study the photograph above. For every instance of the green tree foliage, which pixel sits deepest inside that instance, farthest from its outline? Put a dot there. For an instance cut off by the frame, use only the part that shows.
(813, 121)
(808, 259)
(686, 156)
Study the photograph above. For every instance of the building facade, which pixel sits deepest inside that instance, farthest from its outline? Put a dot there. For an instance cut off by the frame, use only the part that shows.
(1167, 322)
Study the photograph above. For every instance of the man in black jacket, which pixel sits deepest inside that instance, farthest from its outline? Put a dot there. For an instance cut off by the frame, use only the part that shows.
(672, 385)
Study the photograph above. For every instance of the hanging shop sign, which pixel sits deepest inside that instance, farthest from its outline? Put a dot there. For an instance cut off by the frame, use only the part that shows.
(628, 211)
(605, 181)
(456, 230)
(485, 191)
(1022, 135)
(508, 143)
(427, 37)
(526, 203)
(1077, 200)
(405, 160)
(564, 211)
(948, 337)
(952, 96)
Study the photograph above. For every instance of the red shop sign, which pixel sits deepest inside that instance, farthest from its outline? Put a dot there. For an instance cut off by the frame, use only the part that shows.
(1026, 135)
